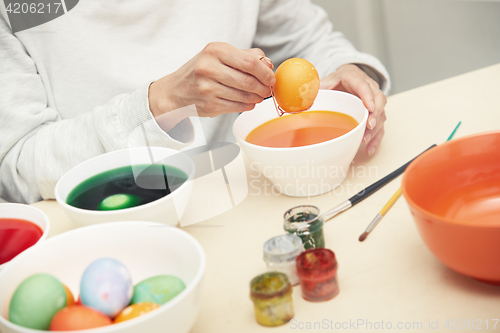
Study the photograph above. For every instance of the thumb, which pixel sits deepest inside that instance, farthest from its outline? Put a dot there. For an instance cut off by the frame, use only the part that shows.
(328, 83)
(331, 82)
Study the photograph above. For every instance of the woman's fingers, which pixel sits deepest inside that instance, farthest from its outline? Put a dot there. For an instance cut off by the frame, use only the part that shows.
(236, 95)
(350, 78)
(375, 142)
(329, 83)
(357, 85)
(241, 81)
(380, 102)
(247, 62)
(370, 133)
(256, 51)
(227, 106)
(219, 79)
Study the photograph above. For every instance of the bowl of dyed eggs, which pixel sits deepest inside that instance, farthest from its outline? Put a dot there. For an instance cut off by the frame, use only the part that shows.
(125, 276)
(21, 227)
(453, 192)
(145, 184)
(307, 153)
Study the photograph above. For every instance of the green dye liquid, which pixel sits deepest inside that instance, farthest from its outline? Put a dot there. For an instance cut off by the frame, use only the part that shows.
(119, 188)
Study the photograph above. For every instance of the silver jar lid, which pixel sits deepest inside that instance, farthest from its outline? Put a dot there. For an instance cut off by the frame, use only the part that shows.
(302, 218)
(283, 248)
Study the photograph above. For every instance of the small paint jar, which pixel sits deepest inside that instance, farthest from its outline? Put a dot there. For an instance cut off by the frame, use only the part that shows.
(306, 222)
(280, 253)
(271, 294)
(317, 272)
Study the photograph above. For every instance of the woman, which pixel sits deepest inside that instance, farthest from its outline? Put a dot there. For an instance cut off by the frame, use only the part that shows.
(82, 84)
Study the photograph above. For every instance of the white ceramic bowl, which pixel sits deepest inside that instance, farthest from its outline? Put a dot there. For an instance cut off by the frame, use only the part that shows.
(146, 249)
(308, 170)
(167, 210)
(28, 213)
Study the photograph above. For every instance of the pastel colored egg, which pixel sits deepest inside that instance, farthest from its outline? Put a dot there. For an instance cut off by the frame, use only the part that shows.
(70, 299)
(106, 286)
(36, 301)
(119, 201)
(135, 310)
(78, 317)
(297, 85)
(158, 289)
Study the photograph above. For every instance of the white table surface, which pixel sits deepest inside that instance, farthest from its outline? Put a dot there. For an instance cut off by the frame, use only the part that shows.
(391, 277)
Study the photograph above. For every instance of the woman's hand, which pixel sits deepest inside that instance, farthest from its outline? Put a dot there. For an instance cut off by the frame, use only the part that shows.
(220, 79)
(350, 78)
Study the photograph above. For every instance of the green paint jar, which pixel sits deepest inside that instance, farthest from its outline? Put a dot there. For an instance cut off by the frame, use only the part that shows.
(306, 222)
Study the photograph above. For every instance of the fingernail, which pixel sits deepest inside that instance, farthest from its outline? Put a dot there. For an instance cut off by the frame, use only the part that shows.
(268, 61)
(368, 137)
(371, 151)
(372, 106)
(372, 123)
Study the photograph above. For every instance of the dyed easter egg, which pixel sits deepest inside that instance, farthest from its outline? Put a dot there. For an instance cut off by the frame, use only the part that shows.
(119, 201)
(36, 301)
(135, 310)
(297, 85)
(158, 289)
(78, 317)
(70, 299)
(106, 286)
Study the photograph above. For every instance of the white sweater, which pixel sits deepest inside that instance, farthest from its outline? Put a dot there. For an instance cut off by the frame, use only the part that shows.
(76, 87)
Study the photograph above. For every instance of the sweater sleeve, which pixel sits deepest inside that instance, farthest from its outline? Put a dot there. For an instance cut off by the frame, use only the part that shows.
(298, 28)
(37, 146)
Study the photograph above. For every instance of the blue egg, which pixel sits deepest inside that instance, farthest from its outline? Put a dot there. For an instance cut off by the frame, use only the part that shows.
(106, 286)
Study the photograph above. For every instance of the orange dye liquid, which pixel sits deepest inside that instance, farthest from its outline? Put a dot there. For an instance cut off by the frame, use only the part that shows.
(475, 203)
(302, 129)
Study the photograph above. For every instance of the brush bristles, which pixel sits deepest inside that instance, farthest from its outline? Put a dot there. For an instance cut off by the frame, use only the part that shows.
(363, 236)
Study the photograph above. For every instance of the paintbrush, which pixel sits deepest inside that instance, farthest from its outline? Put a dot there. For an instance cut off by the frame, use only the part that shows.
(366, 192)
(391, 202)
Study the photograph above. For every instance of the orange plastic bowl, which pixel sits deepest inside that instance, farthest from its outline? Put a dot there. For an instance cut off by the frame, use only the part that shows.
(453, 192)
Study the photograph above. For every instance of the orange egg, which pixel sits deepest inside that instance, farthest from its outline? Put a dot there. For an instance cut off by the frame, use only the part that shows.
(78, 317)
(70, 299)
(297, 85)
(135, 310)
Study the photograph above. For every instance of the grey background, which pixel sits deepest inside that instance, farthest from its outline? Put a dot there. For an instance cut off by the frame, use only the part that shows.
(421, 41)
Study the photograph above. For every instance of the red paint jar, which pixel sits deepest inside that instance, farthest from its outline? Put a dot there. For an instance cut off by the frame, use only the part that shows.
(317, 272)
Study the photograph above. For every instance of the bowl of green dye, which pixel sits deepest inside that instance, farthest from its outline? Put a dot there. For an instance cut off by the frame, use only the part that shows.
(146, 183)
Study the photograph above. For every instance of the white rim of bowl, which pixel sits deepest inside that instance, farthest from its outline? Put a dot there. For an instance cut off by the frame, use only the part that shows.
(442, 219)
(44, 234)
(274, 149)
(117, 211)
(110, 328)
